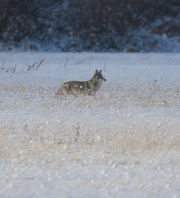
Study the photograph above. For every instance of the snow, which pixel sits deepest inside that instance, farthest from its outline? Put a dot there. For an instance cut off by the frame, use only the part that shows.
(123, 142)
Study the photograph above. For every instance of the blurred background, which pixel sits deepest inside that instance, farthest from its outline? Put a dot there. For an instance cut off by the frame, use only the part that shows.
(90, 25)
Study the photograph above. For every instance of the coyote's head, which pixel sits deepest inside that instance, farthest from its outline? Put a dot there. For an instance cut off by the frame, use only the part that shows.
(98, 75)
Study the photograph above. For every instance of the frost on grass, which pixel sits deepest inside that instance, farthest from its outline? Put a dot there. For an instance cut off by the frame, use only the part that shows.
(119, 117)
(122, 142)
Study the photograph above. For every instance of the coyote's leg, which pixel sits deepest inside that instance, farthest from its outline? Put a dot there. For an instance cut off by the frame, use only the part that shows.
(74, 93)
(91, 92)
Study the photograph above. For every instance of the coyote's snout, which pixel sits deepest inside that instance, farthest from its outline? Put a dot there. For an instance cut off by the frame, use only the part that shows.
(82, 87)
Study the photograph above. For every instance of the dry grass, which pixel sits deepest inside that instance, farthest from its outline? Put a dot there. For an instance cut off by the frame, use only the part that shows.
(40, 125)
(42, 143)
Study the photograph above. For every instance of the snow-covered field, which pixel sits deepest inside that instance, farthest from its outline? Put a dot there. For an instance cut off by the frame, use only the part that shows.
(123, 142)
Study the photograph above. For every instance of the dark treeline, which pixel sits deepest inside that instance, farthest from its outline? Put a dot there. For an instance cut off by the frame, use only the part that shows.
(88, 25)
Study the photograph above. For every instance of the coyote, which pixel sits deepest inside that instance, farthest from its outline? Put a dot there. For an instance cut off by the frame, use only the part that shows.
(82, 87)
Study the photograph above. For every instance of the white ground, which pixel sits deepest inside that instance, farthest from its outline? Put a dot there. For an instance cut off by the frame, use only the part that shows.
(123, 142)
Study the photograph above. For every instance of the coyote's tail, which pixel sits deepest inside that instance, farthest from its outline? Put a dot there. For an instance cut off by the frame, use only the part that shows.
(59, 92)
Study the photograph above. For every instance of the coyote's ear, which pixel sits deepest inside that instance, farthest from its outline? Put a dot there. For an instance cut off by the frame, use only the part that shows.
(96, 71)
(100, 70)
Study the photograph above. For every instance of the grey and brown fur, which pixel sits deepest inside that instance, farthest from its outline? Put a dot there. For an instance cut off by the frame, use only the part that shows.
(82, 87)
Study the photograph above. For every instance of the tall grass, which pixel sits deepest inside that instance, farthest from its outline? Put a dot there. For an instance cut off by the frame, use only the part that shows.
(117, 119)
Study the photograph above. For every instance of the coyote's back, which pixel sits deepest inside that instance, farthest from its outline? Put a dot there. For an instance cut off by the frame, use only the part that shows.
(82, 87)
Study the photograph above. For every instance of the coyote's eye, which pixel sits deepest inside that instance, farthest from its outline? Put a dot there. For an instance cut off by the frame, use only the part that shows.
(101, 77)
